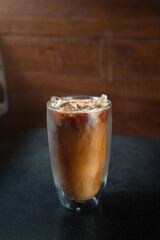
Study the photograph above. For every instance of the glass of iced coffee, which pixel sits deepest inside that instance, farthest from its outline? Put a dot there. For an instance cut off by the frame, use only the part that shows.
(79, 134)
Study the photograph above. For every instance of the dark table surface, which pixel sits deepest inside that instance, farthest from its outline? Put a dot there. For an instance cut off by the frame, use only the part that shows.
(30, 209)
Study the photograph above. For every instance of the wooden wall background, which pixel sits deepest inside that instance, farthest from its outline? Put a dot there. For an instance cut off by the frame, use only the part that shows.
(59, 47)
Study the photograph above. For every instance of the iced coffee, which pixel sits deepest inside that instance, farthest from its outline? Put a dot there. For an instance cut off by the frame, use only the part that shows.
(79, 131)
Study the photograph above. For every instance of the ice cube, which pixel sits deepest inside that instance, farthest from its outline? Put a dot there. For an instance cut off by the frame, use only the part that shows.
(80, 105)
(55, 101)
(73, 105)
(102, 100)
(69, 106)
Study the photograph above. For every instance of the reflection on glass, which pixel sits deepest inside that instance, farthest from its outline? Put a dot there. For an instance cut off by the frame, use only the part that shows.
(3, 90)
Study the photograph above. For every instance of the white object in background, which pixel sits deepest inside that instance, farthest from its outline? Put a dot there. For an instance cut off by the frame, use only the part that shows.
(3, 89)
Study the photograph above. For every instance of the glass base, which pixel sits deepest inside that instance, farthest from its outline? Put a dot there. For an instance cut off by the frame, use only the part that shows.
(79, 206)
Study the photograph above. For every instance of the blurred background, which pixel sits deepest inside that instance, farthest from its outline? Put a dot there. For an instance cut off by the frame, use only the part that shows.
(59, 47)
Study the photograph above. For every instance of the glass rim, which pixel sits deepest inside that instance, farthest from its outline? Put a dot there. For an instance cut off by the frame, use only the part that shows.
(79, 110)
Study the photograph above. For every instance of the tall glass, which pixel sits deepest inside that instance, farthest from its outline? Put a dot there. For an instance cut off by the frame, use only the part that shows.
(79, 144)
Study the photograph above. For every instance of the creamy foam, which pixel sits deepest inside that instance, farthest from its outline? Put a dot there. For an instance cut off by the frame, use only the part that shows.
(71, 104)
